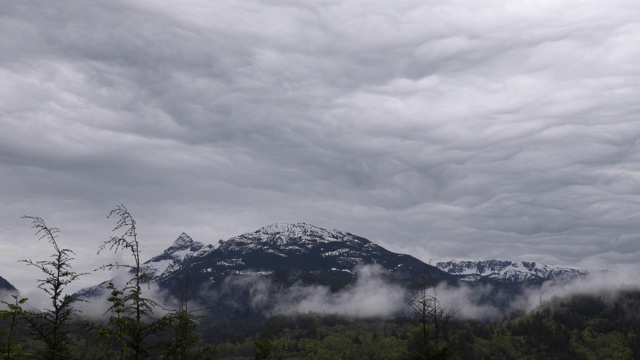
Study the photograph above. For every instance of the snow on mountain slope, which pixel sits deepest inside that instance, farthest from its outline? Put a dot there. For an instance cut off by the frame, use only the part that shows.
(183, 250)
(296, 238)
(304, 247)
(160, 267)
(320, 255)
(509, 271)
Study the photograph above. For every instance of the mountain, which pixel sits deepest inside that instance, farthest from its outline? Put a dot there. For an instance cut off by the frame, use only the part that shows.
(285, 254)
(288, 253)
(308, 248)
(291, 253)
(509, 271)
(6, 285)
(260, 266)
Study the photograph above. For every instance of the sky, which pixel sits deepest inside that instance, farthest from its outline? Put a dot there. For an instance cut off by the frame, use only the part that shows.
(452, 129)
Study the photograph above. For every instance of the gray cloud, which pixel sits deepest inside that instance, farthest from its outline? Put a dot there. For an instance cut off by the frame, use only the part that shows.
(371, 295)
(444, 129)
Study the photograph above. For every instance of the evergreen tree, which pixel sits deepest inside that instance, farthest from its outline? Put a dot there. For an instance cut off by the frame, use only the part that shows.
(266, 345)
(132, 322)
(182, 323)
(51, 326)
(13, 348)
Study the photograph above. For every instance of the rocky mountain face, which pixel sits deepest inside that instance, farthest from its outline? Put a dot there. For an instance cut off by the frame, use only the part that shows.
(509, 271)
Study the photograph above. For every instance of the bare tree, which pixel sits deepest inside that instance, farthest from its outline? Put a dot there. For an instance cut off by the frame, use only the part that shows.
(432, 318)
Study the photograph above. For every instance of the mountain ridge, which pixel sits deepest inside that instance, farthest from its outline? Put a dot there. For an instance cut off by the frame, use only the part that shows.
(239, 254)
(509, 271)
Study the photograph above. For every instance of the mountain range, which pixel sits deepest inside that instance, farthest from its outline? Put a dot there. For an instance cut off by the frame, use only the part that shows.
(289, 255)
(306, 248)
(509, 271)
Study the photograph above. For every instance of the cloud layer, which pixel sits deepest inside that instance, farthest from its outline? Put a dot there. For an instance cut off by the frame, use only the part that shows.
(448, 129)
(373, 296)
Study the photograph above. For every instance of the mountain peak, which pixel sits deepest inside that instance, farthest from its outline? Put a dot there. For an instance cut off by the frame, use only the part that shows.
(293, 230)
(183, 240)
(305, 247)
(284, 234)
(285, 240)
(182, 249)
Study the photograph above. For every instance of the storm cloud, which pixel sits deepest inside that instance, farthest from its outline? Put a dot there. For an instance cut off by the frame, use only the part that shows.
(446, 129)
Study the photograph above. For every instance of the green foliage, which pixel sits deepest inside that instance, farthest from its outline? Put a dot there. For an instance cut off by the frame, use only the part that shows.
(322, 337)
(12, 347)
(267, 346)
(596, 326)
(51, 326)
(581, 327)
(111, 343)
(184, 341)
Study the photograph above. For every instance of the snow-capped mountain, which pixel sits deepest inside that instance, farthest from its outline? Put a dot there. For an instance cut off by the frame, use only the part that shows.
(319, 254)
(307, 247)
(287, 252)
(509, 271)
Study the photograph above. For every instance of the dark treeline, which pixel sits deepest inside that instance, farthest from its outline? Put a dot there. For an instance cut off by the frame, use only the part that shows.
(589, 326)
(594, 326)
(578, 327)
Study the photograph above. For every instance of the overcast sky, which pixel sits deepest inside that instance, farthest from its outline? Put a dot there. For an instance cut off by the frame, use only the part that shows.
(444, 129)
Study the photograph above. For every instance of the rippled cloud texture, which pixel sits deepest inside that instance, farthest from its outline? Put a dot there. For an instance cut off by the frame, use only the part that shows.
(447, 129)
